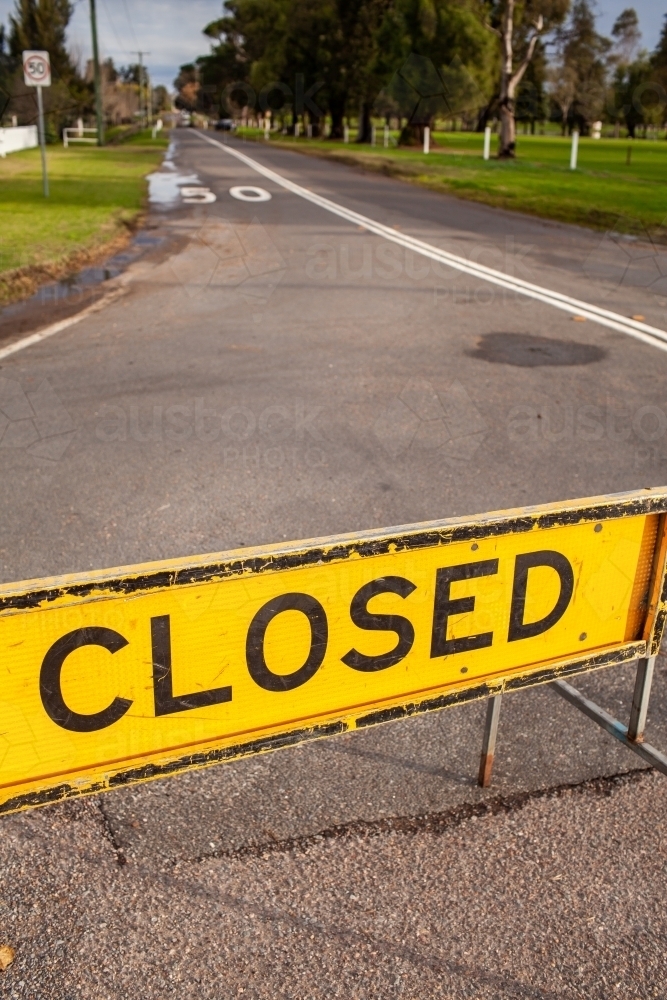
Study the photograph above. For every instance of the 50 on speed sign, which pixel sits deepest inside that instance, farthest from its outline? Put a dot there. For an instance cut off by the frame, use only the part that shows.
(36, 68)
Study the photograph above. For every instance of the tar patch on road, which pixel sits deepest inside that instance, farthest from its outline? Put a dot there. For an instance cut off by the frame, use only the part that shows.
(526, 351)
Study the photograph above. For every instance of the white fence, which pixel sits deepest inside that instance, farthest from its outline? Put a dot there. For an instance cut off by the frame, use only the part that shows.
(19, 137)
(79, 134)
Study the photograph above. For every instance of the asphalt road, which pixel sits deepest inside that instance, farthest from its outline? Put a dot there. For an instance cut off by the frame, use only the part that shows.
(272, 372)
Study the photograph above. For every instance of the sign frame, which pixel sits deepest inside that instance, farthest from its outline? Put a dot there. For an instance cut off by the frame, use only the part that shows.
(134, 581)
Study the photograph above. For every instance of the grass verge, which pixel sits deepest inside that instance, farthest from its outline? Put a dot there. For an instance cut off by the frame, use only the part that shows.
(95, 203)
(605, 192)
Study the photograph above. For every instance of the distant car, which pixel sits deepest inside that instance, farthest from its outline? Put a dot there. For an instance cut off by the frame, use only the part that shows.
(186, 118)
(224, 125)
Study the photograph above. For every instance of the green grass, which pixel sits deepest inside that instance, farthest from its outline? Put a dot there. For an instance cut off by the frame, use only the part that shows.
(602, 193)
(96, 196)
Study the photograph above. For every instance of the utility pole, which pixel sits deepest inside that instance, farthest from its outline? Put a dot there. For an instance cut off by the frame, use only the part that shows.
(98, 76)
(141, 80)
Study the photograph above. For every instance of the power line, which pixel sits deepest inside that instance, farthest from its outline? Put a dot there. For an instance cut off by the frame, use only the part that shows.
(129, 21)
(121, 47)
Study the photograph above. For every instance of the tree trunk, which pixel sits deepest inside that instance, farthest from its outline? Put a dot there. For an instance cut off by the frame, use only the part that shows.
(337, 109)
(507, 148)
(315, 125)
(510, 79)
(365, 133)
(411, 135)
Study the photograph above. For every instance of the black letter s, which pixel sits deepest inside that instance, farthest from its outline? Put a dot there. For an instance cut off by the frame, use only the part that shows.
(363, 618)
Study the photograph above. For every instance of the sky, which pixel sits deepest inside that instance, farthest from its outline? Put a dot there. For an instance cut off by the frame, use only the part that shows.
(171, 31)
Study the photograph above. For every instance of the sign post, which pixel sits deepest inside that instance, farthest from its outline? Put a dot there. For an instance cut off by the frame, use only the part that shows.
(37, 73)
(113, 677)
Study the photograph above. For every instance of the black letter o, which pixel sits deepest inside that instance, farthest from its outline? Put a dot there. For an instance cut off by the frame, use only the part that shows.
(49, 681)
(319, 635)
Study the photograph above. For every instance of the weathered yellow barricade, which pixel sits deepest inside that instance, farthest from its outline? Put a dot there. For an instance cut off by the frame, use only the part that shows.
(122, 675)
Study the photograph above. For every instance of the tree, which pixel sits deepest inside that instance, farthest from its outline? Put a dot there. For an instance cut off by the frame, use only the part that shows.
(161, 99)
(187, 86)
(627, 35)
(531, 100)
(6, 68)
(448, 64)
(562, 89)
(41, 24)
(363, 39)
(584, 52)
(307, 56)
(636, 95)
(519, 27)
(659, 59)
(132, 74)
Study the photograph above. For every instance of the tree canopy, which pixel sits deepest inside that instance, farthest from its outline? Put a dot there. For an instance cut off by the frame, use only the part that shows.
(420, 60)
(42, 24)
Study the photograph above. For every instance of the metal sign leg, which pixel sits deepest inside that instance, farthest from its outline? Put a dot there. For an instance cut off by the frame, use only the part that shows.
(489, 742)
(640, 699)
(615, 728)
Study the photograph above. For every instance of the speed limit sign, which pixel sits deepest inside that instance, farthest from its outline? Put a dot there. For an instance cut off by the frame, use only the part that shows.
(36, 69)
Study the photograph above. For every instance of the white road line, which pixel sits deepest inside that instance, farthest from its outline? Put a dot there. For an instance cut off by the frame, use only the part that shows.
(605, 317)
(49, 331)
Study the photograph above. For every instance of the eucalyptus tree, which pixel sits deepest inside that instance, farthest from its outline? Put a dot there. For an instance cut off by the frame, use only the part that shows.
(518, 27)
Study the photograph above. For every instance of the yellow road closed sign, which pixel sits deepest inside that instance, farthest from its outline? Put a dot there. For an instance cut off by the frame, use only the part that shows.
(122, 675)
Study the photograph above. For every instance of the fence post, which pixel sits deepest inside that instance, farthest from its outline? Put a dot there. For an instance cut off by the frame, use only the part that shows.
(575, 149)
(427, 139)
(487, 142)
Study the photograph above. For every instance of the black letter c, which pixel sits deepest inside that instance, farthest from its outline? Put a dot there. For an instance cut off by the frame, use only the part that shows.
(49, 681)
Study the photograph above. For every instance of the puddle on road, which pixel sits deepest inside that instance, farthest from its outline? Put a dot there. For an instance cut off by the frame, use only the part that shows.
(164, 185)
(61, 298)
